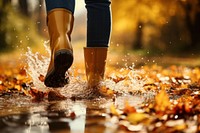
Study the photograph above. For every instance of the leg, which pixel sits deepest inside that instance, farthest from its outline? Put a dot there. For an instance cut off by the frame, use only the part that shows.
(98, 35)
(60, 24)
(66, 4)
(98, 23)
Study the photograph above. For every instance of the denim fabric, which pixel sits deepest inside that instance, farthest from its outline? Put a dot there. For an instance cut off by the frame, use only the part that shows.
(67, 4)
(98, 23)
(98, 19)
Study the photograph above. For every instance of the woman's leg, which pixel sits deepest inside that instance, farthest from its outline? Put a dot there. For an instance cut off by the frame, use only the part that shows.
(98, 22)
(98, 35)
(66, 4)
(60, 24)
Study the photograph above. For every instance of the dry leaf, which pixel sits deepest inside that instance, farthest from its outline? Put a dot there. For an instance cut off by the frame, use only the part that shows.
(162, 102)
(136, 118)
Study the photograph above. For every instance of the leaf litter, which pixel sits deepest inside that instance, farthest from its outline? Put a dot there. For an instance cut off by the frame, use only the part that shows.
(169, 97)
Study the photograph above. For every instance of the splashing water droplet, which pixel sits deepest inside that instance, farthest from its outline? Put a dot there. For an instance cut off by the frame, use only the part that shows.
(38, 64)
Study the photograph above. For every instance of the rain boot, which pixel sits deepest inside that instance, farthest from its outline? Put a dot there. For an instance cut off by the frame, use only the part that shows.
(95, 61)
(60, 24)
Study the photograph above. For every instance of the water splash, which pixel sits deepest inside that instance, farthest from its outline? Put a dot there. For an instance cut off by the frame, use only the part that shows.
(132, 81)
(38, 64)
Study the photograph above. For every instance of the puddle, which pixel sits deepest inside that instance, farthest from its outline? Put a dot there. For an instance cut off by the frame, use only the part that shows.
(55, 117)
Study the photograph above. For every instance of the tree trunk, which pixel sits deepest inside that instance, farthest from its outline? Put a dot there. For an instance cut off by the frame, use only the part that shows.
(3, 14)
(6, 2)
(23, 7)
(139, 35)
(195, 31)
(192, 24)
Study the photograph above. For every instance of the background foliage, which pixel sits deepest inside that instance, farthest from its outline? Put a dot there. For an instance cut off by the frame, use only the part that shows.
(171, 25)
(159, 25)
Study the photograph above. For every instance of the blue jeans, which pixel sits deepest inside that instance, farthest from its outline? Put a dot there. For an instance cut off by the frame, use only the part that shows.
(98, 19)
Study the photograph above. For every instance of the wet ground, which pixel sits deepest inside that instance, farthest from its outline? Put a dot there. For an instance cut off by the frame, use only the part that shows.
(149, 109)
(25, 116)
(21, 114)
(76, 113)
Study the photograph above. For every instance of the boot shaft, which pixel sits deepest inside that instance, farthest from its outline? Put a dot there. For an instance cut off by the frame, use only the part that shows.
(95, 62)
(60, 24)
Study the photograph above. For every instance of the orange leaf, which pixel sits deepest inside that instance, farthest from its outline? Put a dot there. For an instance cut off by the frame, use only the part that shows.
(162, 102)
(129, 109)
(41, 78)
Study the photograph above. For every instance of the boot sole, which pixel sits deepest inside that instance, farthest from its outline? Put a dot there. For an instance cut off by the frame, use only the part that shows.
(63, 60)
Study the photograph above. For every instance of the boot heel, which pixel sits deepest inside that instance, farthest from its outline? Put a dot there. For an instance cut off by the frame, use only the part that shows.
(63, 60)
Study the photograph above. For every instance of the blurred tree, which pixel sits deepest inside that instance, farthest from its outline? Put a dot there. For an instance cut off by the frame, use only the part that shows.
(3, 13)
(23, 7)
(5, 2)
(132, 17)
(192, 20)
(139, 36)
(161, 24)
(16, 30)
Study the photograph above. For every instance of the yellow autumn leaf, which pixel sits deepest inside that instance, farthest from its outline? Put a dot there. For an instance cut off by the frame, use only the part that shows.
(135, 118)
(162, 101)
(181, 127)
(113, 110)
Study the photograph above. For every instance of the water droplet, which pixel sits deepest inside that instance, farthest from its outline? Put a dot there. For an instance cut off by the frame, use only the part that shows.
(38, 65)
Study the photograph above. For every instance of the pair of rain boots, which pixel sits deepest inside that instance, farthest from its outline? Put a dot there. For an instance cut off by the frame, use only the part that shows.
(60, 25)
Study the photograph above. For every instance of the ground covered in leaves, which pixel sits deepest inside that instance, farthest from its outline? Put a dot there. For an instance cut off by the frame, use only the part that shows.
(174, 104)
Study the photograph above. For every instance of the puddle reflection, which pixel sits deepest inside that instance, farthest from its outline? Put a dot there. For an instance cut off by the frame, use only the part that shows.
(67, 116)
(58, 117)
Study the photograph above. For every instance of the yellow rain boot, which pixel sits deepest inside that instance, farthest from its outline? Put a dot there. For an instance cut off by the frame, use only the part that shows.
(60, 24)
(95, 61)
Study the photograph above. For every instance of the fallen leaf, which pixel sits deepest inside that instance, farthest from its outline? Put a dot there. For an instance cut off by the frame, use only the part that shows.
(162, 102)
(136, 118)
(41, 78)
(55, 95)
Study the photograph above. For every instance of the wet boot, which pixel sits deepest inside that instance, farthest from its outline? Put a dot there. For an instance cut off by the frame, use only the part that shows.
(60, 24)
(95, 61)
